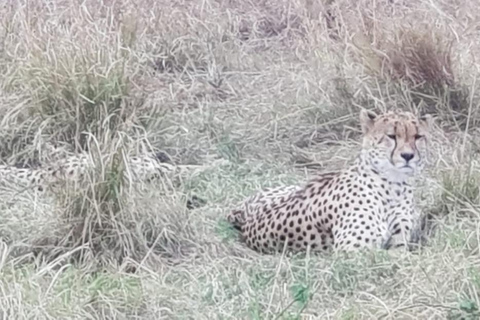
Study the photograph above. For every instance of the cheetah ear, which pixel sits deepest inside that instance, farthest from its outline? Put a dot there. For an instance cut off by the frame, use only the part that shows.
(367, 119)
(426, 120)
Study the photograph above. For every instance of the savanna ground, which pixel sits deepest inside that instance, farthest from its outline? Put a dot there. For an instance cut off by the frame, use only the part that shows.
(241, 95)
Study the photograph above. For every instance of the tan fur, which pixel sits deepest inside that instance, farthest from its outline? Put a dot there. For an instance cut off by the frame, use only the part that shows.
(367, 204)
(141, 168)
(397, 136)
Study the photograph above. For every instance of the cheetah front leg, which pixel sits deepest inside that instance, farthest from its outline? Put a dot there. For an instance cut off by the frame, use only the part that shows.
(402, 230)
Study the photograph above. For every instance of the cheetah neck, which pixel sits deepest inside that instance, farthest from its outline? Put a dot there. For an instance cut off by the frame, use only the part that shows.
(394, 190)
(365, 167)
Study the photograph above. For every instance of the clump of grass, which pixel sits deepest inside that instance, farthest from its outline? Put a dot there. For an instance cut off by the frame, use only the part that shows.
(76, 85)
(104, 214)
(80, 85)
(408, 64)
(84, 90)
(418, 62)
(461, 191)
(420, 58)
(93, 207)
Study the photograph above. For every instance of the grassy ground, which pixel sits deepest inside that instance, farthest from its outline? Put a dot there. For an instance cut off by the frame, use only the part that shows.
(241, 95)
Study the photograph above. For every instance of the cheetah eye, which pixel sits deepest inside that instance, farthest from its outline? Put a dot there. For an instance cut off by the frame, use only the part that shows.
(391, 136)
(417, 136)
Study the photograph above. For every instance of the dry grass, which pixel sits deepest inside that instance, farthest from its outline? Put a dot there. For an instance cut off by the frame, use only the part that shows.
(241, 95)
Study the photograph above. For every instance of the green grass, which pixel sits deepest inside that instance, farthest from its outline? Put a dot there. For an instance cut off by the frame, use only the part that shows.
(242, 96)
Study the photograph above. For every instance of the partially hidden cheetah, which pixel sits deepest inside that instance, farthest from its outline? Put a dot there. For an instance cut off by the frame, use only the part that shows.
(142, 168)
(369, 204)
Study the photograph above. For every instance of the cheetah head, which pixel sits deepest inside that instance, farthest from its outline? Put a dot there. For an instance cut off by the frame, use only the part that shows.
(394, 143)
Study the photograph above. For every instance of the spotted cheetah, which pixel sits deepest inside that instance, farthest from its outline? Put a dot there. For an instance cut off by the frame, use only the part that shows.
(369, 204)
(139, 168)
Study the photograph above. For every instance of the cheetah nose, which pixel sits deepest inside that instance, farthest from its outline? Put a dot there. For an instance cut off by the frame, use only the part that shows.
(407, 156)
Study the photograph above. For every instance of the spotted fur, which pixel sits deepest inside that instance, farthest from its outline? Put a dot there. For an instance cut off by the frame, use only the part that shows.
(139, 168)
(369, 204)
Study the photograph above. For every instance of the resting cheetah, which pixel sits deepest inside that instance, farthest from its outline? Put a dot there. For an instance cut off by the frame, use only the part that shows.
(140, 168)
(369, 204)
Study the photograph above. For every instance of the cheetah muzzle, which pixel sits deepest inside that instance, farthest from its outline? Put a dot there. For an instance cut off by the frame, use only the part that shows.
(369, 204)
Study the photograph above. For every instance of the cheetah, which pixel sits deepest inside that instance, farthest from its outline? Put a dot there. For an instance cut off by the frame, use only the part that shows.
(139, 168)
(367, 205)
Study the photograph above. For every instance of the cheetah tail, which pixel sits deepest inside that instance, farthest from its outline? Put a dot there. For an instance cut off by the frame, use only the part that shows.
(236, 218)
